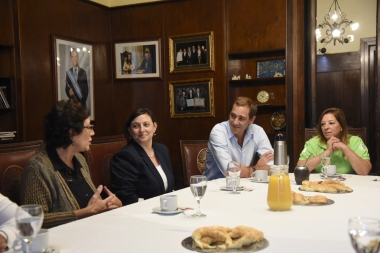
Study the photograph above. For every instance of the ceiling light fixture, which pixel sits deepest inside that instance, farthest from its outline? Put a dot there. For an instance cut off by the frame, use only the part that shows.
(335, 24)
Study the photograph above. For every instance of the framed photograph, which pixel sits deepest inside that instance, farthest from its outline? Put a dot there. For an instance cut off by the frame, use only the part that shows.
(192, 98)
(191, 52)
(73, 73)
(138, 59)
(273, 68)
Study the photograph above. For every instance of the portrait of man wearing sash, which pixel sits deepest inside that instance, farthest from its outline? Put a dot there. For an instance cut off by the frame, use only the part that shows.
(76, 81)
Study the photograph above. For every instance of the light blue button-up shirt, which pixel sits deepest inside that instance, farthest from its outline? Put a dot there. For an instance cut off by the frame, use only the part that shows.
(223, 147)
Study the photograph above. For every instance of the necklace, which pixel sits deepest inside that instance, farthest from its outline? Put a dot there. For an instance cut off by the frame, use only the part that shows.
(152, 156)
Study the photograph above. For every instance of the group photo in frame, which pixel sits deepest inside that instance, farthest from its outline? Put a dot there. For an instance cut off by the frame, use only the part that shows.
(73, 75)
(138, 59)
(191, 52)
(192, 98)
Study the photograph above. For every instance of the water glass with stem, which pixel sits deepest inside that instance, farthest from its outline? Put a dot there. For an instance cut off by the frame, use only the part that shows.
(364, 234)
(325, 162)
(29, 220)
(234, 169)
(198, 186)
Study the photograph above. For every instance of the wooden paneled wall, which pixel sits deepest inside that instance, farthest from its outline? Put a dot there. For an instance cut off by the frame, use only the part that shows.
(236, 25)
(338, 85)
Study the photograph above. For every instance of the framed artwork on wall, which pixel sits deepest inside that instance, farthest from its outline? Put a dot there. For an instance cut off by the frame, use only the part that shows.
(191, 52)
(138, 59)
(272, 68)
(73, 71)
(192, 98)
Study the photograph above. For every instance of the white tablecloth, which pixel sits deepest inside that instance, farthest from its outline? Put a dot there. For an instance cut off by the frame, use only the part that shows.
(135, 228)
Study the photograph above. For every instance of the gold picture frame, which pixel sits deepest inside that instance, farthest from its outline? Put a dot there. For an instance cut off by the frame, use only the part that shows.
(201, 56)
(192, 98)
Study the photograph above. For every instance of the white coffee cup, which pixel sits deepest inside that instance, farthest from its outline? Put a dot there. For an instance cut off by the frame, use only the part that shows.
(229, 182)
(331, 170)
(260, 175)
(39, 244)
(168, 202)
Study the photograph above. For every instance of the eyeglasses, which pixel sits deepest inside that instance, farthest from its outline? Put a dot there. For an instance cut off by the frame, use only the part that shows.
(89, 127)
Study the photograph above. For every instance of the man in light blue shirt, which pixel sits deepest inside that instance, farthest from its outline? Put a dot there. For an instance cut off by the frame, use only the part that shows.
(238, 139)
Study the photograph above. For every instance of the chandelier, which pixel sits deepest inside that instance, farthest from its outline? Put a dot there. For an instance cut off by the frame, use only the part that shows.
(335, 23)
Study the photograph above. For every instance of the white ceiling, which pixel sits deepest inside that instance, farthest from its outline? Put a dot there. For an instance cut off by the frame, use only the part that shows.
(116, 3)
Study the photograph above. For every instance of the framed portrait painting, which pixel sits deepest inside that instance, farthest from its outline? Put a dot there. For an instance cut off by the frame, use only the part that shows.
(192, 98)
(73, 63)
(138, 59)
(191, 52)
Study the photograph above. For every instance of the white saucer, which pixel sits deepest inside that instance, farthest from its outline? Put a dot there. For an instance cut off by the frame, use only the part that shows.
(224, 188)
(50, 249)
(336, 175)
(252, 179)
(158, 210)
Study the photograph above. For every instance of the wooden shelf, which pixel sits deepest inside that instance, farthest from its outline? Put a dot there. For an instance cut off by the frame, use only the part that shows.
(257, 54)
(266, 81)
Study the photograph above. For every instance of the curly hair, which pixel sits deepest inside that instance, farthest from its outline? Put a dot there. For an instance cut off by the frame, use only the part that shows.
(135, 114)
(64, 121)
(341, 118)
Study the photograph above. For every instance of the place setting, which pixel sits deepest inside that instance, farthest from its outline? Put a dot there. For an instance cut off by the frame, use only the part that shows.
(169, 205)
(259, 176)
(33, 239)
(233, 179)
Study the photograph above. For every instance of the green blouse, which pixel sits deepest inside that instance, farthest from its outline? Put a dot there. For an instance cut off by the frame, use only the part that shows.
(343, 166)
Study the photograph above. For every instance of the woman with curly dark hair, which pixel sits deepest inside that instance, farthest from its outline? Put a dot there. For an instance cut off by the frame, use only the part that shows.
(58, 177)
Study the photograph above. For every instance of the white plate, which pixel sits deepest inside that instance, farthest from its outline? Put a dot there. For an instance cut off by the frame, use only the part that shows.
(158, 210)
(336, 175)
(223, 188)
(252, 179)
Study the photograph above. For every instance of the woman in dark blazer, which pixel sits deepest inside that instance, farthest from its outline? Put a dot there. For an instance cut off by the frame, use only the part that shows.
(142, 169)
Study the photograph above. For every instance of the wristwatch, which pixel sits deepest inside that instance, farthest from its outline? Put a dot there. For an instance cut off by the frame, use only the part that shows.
(253, 171)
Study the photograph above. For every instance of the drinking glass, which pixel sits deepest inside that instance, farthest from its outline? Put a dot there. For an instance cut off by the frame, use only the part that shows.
(234, 169)
(29, 220)
(198, 186)
(365, 234)
(325, 162)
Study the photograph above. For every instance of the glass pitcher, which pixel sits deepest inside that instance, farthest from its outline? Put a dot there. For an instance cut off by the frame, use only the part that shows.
(279, 192)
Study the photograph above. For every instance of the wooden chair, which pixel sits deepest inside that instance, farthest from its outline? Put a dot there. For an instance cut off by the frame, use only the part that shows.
(193, 154)
(13, 158)
(99, 157)
(361, 132)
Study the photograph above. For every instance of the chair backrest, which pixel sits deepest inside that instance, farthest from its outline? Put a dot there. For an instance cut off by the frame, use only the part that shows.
(99, 156)
(193, 154)
(361, 132)
(13, 158)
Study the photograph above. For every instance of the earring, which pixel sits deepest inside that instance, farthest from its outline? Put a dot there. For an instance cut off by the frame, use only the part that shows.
(154, 134)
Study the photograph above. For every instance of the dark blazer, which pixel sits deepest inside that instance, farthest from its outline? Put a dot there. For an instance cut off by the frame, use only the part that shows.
(146, 65)
(134, 176)
(83, 84)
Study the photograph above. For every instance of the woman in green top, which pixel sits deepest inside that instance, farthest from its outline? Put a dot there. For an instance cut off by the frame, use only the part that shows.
(348, 153)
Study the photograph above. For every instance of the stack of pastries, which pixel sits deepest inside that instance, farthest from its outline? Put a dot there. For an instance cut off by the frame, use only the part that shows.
(218, 237)
(327, 186)
(300, 199)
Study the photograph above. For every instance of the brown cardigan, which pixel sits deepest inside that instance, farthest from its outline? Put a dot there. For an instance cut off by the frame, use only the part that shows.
(41, 184)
